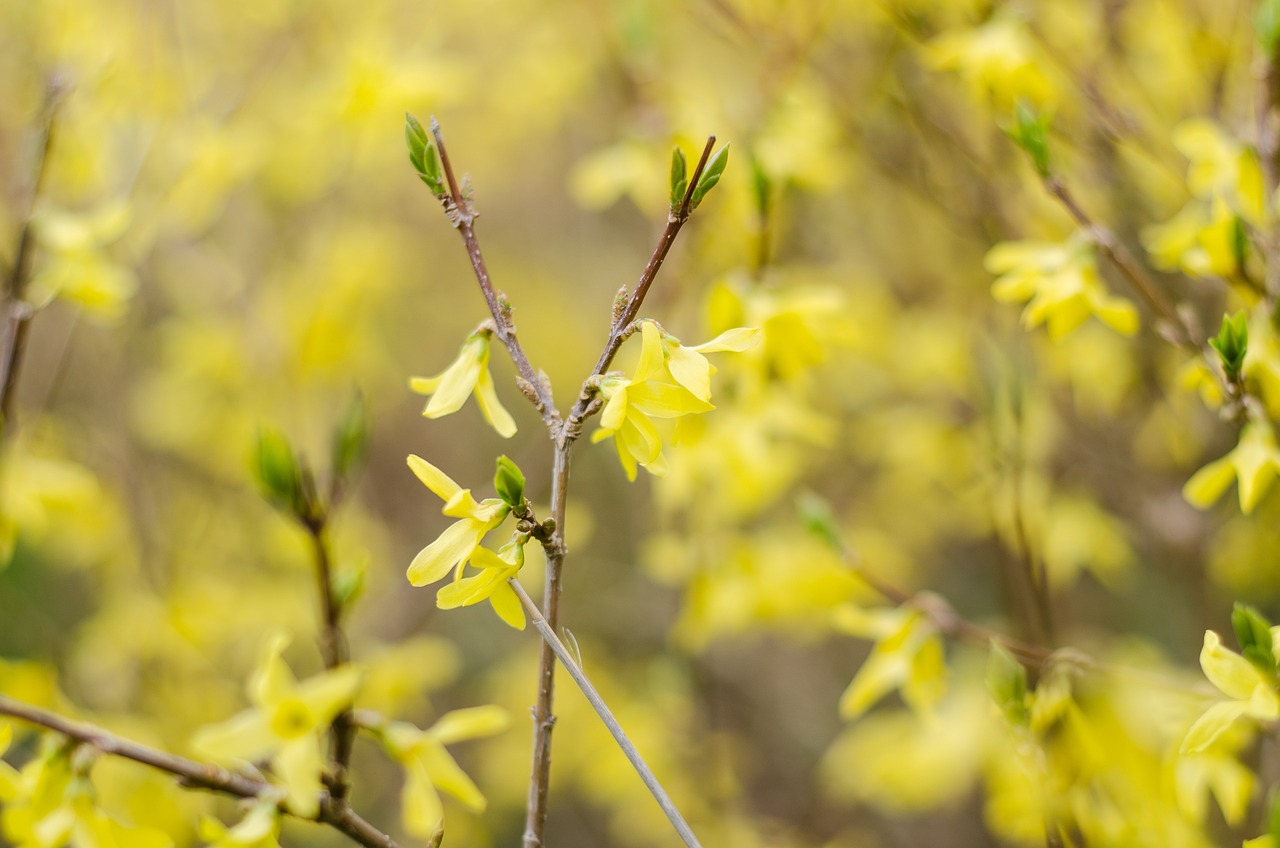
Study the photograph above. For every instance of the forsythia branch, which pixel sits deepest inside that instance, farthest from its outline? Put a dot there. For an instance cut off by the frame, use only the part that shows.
(332, 812)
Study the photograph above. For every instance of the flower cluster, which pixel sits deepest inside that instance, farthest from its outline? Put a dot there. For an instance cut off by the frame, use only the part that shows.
(670, 381)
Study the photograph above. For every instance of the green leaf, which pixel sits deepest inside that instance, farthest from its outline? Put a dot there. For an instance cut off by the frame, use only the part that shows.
(351, 438)
(710, 176)
(1232, 342)
(416, 139)
(1030, 131)
(570, 643)
(422, 155)
(1253, 632)
(1266, 23)
(679, 178)
(818, 519)
(761, 187)
(1007, 682)
(509, 481)
(278, 473)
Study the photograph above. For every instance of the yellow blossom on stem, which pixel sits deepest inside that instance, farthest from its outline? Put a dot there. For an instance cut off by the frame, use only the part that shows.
(286, 724)
(1060, 283)
(468, 374)
(1254, 463)
(457, 543)
(907, 656)
(1252, 694)
(428, 766)
(490, 584)
(632, 403)
(1221, 167)
(688, 365)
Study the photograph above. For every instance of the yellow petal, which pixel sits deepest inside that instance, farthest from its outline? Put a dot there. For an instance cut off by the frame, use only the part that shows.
(433, 478)
(244, 736)
(736, 340)
(880, 674)
(491, 408)
(424, 385)
(420, 803)
(1234, 676)
(691, 370)
(666, 400)
(651, 358)
(448, 775)
(331, 692)
(298, 766)
(507, 605)
(615, 409)
(1211, 725)
(1207, 485)
(459, 379)
(273, 679)
(471, 723)
(437, 559)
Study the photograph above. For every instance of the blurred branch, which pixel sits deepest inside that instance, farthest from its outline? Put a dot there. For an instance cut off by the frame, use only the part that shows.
(16, 313)
(333, 812)
(602, 710)
(1179, 333)
(462, 214)
(334, 647)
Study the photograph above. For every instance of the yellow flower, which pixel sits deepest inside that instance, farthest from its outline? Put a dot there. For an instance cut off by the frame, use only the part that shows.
(491, 584)
(691, 369)
(997, 60)
(457, 543)
(260, 828)
(632, 403)
(286, 723)
(1252, 694)
(1254, 462)
(1061, 283)
(429, 766)
(469, 373)
(1201, 240)
(1221, 167)
(908, 655)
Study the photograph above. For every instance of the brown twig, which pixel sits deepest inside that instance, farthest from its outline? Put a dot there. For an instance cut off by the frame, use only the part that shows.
(618, 331)
(16, 313)
(333, 645)
(463, 215)
(1110, 246)
(332, 812)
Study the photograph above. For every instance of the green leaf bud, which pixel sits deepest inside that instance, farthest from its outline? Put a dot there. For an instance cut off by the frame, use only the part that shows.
(710, 176)
(509, 482)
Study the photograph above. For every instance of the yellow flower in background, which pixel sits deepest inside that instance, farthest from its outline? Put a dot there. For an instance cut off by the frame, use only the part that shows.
(76, 266)
(1252, 694)
(428, 766)
(632, 403)
(1221, 167)
(468, 374)
(1201, 239)
(490, 584)
(1254, 463)
(997, 59)
(1060, 283)
(260, 828)
(461, 539)
(907, 656)
(286, 724)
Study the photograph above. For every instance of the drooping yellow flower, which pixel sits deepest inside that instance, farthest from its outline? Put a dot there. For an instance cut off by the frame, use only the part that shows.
(457, 543)
(690, 368)
(997, 59)
(1060, 283)
(468, 374)
(1254, 463)
(1221, 167)
(1252, 694)
(286, 723)
(490, 584)
(1201, 240)
(429, 766)
(907, 656)
(632, 403)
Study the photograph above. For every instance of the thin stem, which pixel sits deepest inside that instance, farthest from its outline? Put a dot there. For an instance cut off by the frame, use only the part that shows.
(552, 641)
(617, 332)
(463, 215)
(333, 644)
(544, 719)
(17, 315)
(195, 774)
(1126, 264)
